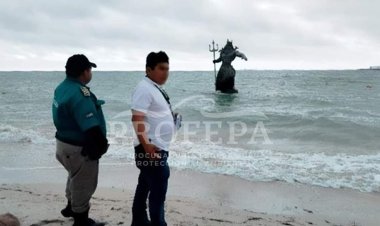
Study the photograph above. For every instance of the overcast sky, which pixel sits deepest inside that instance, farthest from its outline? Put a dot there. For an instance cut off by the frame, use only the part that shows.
(117, 35)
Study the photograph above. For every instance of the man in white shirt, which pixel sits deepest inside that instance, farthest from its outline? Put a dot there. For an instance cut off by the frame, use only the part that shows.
(154, 124)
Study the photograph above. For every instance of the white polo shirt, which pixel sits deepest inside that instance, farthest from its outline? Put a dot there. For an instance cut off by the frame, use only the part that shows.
(158, 120)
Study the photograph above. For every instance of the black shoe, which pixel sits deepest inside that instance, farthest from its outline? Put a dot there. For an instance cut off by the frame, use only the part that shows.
(67, 212)
(141, 222)
(148, 223)
(94, 223)
(82, 219)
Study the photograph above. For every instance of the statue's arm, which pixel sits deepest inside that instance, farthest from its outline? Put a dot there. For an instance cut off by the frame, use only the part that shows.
(217, 60)
(241, 55)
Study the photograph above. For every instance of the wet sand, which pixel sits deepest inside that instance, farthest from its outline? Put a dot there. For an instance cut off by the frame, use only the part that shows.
(37, 196)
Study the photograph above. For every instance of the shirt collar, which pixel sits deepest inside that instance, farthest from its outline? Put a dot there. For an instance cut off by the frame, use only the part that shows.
(151, 81)
(76, 81)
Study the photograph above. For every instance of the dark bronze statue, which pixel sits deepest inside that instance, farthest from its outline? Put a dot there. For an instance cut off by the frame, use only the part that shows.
(225, 80)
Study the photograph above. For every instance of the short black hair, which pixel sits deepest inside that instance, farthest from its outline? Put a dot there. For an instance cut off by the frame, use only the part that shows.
(155, 58)
(76, 64)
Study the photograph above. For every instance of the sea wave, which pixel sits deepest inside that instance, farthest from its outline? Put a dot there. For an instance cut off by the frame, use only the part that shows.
(361, 172)
(12, 134)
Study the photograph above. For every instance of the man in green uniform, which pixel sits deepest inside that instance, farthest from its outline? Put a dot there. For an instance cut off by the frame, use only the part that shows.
(81, 137)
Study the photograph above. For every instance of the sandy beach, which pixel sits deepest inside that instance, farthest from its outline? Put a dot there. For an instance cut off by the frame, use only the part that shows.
(193, 199)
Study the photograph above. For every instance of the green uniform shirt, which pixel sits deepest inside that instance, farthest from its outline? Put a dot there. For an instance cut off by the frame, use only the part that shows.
(75, 110)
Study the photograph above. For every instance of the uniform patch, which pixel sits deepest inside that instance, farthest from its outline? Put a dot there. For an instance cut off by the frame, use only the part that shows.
(89, 115)
(85, 91)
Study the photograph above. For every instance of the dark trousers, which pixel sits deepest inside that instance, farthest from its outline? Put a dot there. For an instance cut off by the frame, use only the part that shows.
(152, 184)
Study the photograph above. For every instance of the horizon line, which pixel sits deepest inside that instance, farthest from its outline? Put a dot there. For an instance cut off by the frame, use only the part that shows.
(331, 69)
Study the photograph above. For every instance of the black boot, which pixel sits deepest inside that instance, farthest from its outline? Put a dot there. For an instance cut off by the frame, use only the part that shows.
(82, 219)
(67, 212)
(141, 221)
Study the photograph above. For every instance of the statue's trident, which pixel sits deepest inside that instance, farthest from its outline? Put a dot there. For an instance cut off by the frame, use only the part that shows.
(213, 50)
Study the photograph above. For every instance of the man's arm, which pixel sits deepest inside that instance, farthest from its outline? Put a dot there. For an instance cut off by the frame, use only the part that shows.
(96, 144)
(139, 126)
(86, 116)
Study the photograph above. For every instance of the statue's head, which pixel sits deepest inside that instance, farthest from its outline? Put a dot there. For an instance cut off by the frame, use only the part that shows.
(228, 47)
(229, 44)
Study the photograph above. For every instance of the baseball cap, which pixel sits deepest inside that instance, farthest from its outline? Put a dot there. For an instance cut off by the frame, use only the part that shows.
(78, 62)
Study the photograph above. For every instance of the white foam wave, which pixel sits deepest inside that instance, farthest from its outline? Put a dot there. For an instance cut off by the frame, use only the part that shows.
(11, 134)
(361, 172)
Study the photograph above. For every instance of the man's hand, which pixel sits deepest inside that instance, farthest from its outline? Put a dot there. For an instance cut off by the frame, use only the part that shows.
(139, 126)
(151, 151)
(95, 144)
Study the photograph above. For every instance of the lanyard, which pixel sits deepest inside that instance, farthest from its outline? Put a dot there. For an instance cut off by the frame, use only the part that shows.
(165, 95)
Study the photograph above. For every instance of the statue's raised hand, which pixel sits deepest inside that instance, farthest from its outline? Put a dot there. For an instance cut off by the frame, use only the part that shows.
(241, 55)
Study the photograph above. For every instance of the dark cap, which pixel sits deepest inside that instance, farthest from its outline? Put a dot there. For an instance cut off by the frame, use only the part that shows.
(78, 63)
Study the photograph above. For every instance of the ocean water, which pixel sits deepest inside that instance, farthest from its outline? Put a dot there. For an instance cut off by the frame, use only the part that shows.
(313, 127)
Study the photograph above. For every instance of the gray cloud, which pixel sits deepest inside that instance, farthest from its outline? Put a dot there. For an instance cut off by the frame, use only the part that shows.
(295, 34)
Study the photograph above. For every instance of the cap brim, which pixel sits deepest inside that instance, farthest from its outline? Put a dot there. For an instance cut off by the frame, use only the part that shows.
(92, 65)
